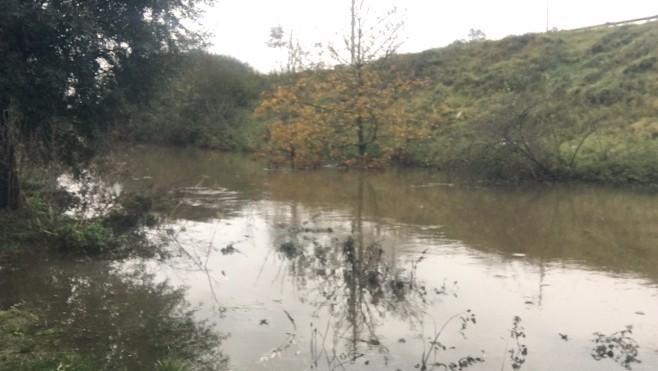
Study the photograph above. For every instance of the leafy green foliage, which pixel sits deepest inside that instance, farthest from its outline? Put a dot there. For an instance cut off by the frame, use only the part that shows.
(116, 233)
(135, 211)
(77, 54)
(68, 67)
(89, 237)
(206, 103)
(91, 221)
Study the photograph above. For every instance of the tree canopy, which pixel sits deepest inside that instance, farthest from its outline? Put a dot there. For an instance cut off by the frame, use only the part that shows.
(206, 103)
(67, 65)
(354, 117)
(361, 113)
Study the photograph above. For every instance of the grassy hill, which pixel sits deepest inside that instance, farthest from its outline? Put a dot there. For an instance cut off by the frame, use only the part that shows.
(559, 105)
(568, 105)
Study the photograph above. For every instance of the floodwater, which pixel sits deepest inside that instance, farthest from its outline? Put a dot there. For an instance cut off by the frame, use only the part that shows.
(397, 270)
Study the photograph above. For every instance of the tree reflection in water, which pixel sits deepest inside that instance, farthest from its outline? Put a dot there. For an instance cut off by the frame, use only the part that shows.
(358, 285)
(119, 320)
(357, 288)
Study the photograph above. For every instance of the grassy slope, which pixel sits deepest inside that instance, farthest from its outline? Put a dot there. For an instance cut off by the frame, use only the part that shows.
(560, 105)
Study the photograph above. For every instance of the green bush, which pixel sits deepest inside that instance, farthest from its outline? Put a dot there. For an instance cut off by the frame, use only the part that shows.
(207, 104)
(90, 237)
(133, 213)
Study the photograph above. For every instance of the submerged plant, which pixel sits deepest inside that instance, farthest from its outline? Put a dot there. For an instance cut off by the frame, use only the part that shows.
(519, 353)
(289, 250)
(618, 346)
(466, 318)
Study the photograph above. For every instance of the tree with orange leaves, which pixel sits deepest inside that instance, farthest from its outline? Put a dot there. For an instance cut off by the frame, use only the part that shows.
(361, 113)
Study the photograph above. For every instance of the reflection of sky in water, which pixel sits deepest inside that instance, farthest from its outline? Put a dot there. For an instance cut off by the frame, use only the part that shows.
(566, 260)
(98, 196)
(256, 285)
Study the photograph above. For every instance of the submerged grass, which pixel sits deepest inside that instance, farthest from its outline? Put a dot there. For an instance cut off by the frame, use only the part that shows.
(92, 222)
(28, 343)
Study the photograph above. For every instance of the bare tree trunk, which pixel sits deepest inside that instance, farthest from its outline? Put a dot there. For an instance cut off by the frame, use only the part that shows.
(9, 188)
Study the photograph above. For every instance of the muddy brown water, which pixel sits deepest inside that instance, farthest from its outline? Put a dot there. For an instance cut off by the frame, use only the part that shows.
(334, 270)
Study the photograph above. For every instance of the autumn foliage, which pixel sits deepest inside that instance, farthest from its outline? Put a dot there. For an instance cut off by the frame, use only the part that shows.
(356, 116)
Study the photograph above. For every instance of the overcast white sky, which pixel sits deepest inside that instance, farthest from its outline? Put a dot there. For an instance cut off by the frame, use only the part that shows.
(241, 27)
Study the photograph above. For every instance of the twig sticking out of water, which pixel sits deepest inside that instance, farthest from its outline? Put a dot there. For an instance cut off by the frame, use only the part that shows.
(519, 354)
(291, 319)
(287, 343)
(466, 318)
(197, 262)
(334, 360)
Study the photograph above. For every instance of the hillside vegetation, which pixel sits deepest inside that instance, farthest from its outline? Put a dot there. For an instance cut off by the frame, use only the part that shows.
(568, 105)
(561, 105)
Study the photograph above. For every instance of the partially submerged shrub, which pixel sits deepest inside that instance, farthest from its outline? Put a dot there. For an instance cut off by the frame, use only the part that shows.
(112, 233)
(134, 212)
(89, 237)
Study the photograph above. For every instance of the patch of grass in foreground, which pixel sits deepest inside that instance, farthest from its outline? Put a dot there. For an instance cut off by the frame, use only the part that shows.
(28, 343)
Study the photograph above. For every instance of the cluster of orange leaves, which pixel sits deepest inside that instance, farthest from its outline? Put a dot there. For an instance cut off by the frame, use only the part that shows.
(348, 116)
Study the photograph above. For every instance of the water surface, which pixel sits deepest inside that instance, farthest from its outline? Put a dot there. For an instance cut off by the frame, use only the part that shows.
(392, 270)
